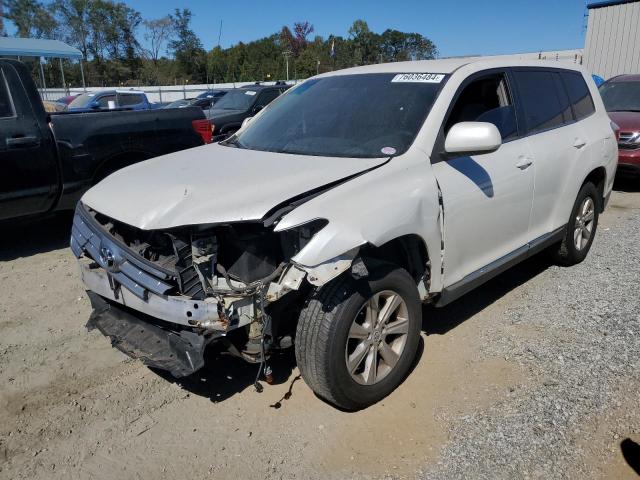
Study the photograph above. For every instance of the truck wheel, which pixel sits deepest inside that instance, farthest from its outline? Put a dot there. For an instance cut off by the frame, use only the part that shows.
(581, 228)
(356, 339)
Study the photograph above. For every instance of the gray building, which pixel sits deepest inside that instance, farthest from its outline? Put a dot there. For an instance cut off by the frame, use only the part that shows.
(612, 45)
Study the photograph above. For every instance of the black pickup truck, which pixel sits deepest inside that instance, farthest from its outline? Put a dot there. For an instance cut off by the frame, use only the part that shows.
(47, 161)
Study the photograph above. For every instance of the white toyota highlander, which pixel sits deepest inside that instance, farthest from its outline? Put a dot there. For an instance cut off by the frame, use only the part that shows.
(332, 214)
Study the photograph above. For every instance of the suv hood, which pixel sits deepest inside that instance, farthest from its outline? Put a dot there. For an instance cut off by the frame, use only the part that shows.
(214, 184)
(627, 121)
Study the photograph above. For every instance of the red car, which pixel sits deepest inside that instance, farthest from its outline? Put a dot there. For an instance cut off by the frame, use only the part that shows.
(621, 96)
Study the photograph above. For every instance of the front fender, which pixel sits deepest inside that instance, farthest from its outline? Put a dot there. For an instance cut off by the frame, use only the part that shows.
(398, 199)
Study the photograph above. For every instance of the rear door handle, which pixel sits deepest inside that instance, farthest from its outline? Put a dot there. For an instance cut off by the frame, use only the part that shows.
(579, 143)
(23, 142)
(524, 162)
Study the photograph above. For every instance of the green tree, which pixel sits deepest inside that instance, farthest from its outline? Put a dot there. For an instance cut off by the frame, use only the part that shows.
(187, 47)
(158, 34)
(31, 18)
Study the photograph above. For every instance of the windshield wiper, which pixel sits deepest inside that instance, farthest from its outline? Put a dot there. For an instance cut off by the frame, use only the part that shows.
(233, 141)
(634, 110)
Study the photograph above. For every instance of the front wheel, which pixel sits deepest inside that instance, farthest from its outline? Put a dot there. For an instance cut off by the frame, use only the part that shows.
(581, 228)
(356, 339)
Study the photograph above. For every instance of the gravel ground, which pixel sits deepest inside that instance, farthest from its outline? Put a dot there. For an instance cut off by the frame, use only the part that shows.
(534, 374)
(576, 334)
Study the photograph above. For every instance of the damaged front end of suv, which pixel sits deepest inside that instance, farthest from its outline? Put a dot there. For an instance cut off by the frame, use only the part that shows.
(309, 228)
(164, 295)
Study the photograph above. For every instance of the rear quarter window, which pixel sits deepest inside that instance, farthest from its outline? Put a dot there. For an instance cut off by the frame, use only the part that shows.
(579, 94)
(130, 99)
(542, 100)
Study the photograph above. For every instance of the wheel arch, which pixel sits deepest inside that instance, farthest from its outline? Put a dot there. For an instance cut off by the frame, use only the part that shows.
(408, 251)
(597, 176)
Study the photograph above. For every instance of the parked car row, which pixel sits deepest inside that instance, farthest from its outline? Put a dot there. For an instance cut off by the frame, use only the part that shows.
(50, 159)
(228, 109)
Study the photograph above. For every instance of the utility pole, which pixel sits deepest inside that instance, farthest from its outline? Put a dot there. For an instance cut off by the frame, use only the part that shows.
(287, 54)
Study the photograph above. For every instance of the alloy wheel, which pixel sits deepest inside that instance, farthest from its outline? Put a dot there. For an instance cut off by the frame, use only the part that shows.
(584, 223)
(377, 337)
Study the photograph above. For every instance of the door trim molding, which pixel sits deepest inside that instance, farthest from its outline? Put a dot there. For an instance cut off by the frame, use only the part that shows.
(486, 273)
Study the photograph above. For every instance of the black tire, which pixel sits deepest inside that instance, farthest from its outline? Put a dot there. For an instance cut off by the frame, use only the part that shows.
(566, 253)
(323, 329)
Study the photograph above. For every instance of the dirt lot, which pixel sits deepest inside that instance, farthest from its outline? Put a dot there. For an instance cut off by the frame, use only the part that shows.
(492, 391)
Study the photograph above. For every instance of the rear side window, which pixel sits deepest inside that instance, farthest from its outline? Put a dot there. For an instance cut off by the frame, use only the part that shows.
(128, 99)
(579, 95)
(563, 98)
(541, 98)
(6, 108)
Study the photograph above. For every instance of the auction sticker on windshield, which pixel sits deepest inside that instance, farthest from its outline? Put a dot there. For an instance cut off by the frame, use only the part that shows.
(250, 92)
(418, 78)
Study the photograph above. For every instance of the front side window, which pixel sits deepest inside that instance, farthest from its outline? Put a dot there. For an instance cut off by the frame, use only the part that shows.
(542, 100)
(6, 107)
(103, 102)
(486, 99)
(366, 116)
(621, 96)
(579, 95)
(82, 101)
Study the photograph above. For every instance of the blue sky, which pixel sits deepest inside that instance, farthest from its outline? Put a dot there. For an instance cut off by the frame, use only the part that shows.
(457, 27)
(460, 27)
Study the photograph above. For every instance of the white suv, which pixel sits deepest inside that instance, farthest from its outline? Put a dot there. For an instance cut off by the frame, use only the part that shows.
(331, 215)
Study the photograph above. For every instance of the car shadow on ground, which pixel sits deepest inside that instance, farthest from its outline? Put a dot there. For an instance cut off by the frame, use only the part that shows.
(223, 376)
(24, 238)
(438, 321)
(631, 453)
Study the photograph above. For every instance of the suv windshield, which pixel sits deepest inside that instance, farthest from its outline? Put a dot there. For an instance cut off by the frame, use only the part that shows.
(237, 100)
(366, 115)
(621, 96)
(82, 101)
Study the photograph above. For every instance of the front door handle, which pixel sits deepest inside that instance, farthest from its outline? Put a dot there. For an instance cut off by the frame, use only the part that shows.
(579, 143)
(524, 162)
(23, 142)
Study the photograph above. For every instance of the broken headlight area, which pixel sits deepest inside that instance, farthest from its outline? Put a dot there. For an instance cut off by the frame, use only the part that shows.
(214, 278)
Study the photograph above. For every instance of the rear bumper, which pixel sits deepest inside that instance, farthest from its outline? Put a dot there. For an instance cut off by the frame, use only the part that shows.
(157, 344)
(629, 161)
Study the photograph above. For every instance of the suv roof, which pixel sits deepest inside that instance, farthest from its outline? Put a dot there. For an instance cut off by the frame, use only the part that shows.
(449, 65)
(260, 86)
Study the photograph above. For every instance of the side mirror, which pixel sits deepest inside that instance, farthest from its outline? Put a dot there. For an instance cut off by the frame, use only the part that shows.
(94, 106)
(472, 137)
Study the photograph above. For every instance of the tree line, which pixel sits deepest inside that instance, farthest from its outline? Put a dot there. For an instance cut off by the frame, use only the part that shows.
(122, 48)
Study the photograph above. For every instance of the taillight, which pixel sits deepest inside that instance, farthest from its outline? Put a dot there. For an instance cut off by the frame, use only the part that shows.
(204, 129)
(616, 130)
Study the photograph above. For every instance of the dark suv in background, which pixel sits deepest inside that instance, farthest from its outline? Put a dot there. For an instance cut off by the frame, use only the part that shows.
(621, 97)
(230, 111)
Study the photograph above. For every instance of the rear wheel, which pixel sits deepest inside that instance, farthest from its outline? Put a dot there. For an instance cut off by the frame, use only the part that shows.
(581, 228)
(356, 339)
